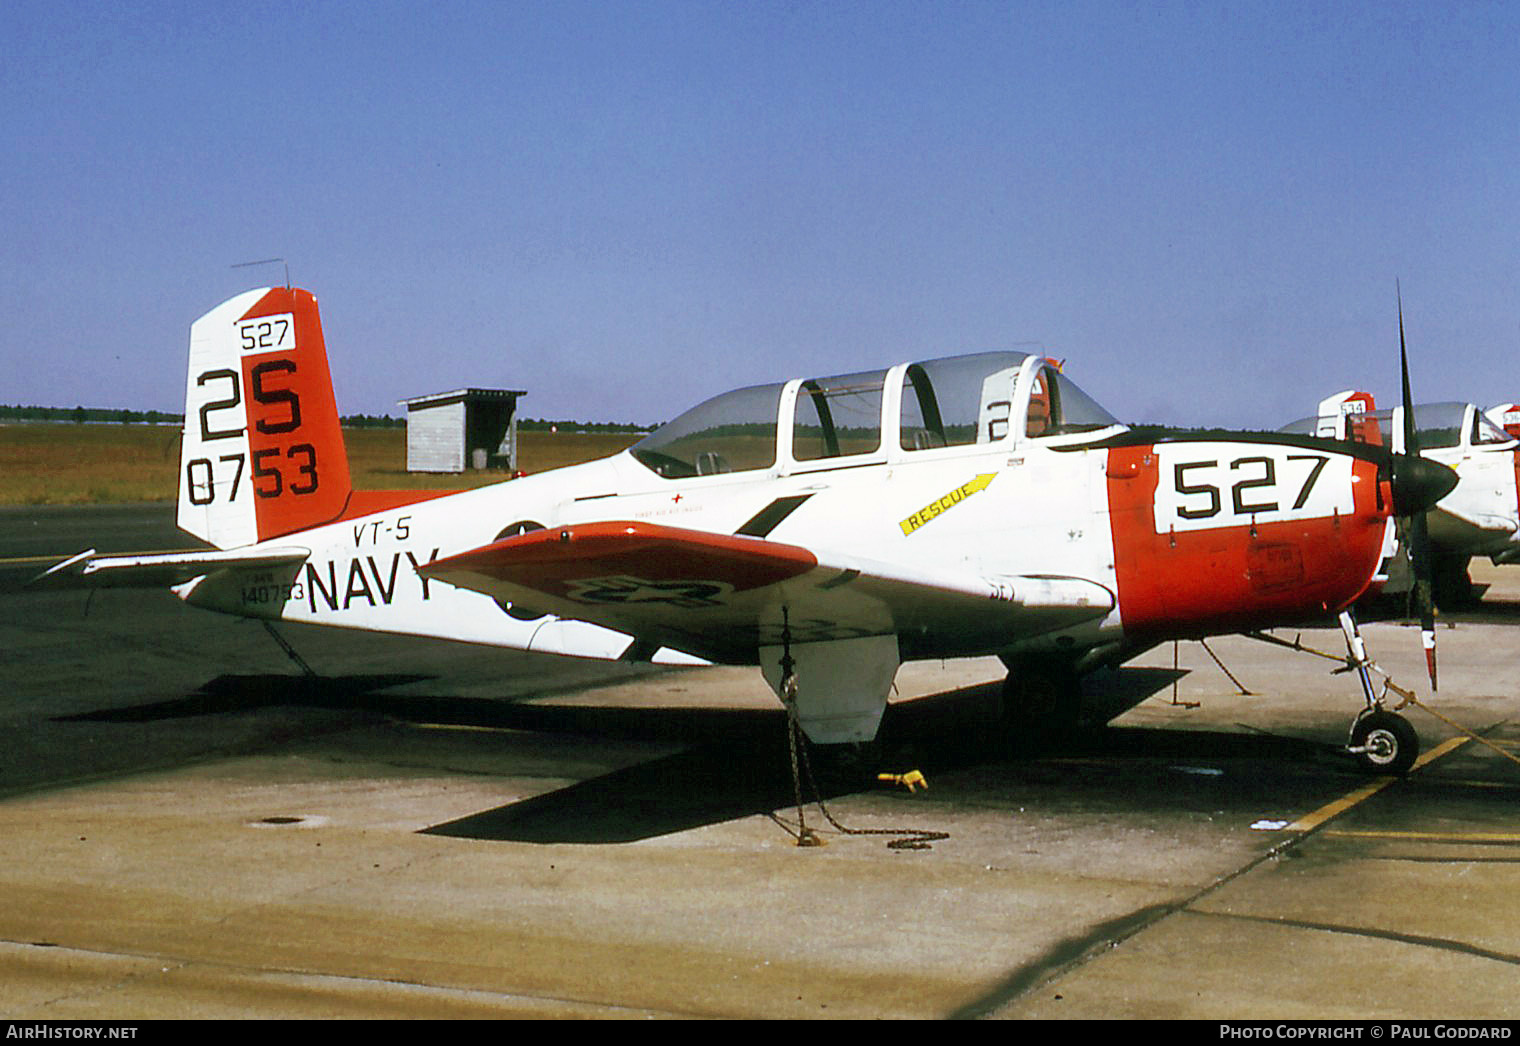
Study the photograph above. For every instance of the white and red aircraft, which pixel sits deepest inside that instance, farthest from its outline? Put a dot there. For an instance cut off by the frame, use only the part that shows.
(1481, 515)
(826, 529)
(1506, 416)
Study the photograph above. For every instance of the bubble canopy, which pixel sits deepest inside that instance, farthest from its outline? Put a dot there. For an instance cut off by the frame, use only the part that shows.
(949, 402)
(1438, 426)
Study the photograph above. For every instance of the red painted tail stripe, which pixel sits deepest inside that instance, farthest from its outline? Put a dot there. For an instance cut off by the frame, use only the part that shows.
(297, 462)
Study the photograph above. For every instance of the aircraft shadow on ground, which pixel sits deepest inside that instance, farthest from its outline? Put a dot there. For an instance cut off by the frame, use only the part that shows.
(719, 781)
(1482, 607)
(738, 762)
(243, 693)
(1490, 609)
(707, 784)
(955, 712)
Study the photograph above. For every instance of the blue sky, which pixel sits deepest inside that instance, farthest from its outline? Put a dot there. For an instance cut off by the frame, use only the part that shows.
(625, 208)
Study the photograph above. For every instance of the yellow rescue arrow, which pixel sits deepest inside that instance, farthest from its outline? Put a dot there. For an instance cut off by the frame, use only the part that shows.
(939, 506)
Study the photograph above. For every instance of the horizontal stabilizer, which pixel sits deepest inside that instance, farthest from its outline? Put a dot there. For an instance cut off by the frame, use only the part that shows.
(159, 569)
(723, 597)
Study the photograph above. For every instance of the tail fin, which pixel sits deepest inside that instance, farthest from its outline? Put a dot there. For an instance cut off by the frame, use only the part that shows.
(263, 452)
(1348, 416)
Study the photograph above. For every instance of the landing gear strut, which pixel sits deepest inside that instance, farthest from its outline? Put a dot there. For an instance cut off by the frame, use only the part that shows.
(1382, 741)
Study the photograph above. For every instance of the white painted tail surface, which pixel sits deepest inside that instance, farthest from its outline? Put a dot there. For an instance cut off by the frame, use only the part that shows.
(1348, 416)
(263, 452)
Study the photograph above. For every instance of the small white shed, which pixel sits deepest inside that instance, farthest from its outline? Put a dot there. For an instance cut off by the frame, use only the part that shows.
(466, 428)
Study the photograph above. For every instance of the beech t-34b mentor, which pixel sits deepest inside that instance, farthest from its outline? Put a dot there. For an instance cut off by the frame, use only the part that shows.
(1481, 515)
(826, 529)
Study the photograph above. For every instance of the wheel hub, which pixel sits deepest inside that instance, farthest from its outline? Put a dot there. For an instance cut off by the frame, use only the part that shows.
(1381, 747)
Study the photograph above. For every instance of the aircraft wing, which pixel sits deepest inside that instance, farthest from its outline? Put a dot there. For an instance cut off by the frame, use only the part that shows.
(160, 569)
(722, 597)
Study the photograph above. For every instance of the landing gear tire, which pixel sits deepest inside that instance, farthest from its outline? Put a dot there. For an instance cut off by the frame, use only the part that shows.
(1043, 697)
(1384, 742)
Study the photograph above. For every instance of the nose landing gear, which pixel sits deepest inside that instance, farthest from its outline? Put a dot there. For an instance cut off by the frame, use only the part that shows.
(1382, 741)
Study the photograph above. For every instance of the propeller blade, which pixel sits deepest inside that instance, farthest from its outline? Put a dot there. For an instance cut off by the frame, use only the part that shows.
(1411, 473)
(1411, 437)
(1424, 599)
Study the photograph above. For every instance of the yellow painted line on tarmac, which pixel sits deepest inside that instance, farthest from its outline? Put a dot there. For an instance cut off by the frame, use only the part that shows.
(466, 728)
(16, 561)
(1335, 809)
(1451, 744)
(1430, 837)
(1340, 806)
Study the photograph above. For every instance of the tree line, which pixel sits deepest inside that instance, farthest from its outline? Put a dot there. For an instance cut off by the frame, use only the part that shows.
(93, 415)
(125, 416)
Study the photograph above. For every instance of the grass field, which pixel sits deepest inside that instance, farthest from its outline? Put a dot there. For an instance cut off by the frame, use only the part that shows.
(65, 464)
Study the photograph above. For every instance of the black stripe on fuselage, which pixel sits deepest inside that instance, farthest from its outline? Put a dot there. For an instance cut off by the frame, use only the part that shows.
(770, 517)
(1146, 435)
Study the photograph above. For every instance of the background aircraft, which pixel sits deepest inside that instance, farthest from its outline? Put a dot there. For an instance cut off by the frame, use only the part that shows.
(1506, 416)
(1481, 515)
(825, 529)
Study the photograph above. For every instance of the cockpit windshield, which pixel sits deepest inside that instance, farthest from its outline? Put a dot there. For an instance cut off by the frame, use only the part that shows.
(1075, 410)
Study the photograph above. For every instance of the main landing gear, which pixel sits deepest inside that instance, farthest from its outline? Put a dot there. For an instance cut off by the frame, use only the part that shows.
(1042, 694)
